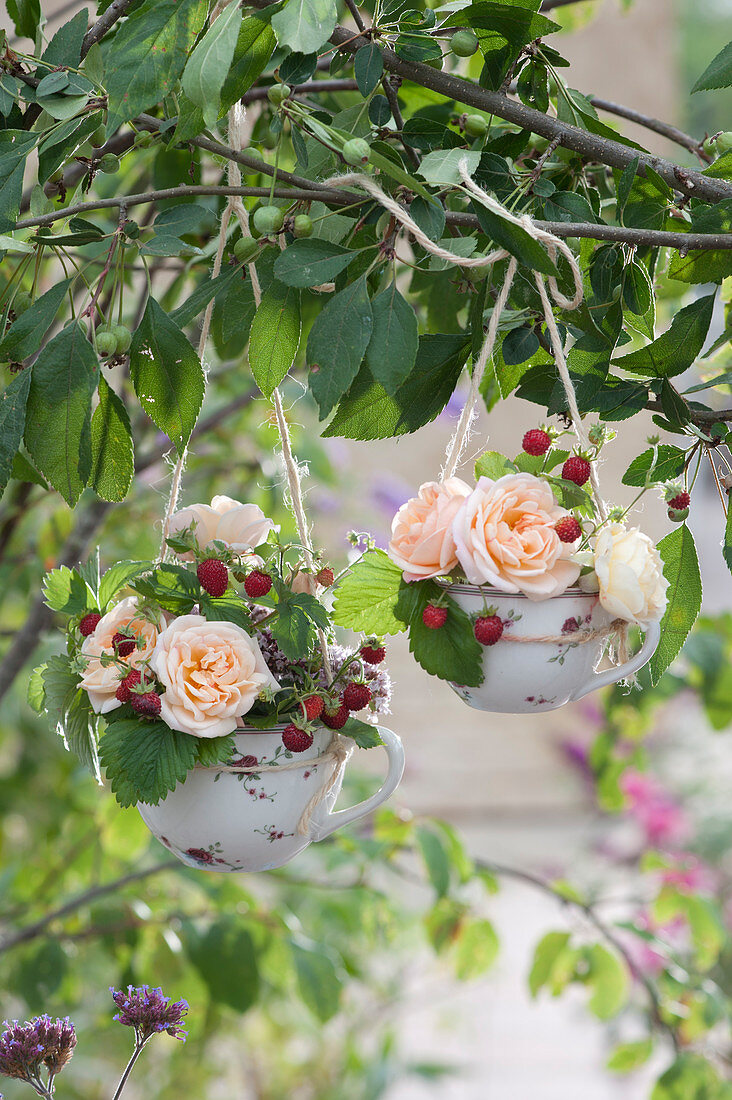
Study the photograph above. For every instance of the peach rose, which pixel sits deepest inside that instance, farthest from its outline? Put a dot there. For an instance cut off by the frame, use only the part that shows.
(240, 526)
(100, 682)
(422, 543)
(505, 537)
(212, 673)
(630, 574)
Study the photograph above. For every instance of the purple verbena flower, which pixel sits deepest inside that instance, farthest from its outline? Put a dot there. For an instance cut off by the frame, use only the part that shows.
(26, 1048)
(150, 1012)
(376, 676)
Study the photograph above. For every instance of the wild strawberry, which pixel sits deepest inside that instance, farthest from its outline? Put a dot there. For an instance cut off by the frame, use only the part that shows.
(313, 707)
(372, 654)
(680, 501)
(536, 442)
(568, 529)
(488, 629)
(132, 679)
(123, 645)
(325, 576)
(296, 740)
(89, 622)
(214, 576)
(434, 617)
(356, 696)
(147, 704)
(576, 469)
(678, 515)
(335, 715)
(257, 584)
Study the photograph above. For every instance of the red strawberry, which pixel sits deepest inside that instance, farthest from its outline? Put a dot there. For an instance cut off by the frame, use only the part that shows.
(357, 696)
(132, 679)
(372, 654)
(214, 576)
(313, 707)
(576, 469)
(536, 442)
(678, 503)
(335, 716)
(89, 622)
(123, 645)
(488, 629)
(568, 529)
(434, 617)
(147, 704)
(325, 576)
(257, 584)
(296, 740)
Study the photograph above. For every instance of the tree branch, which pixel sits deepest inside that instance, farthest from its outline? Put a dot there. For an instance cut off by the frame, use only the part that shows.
(114, 12)
(665, 129)
(342, 84)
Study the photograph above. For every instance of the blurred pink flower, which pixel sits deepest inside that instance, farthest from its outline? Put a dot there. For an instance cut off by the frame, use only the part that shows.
(690, 874)
(658, 814)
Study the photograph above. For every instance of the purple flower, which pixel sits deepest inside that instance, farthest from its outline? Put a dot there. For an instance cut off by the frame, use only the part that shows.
(25, 1048)
(149, 1011)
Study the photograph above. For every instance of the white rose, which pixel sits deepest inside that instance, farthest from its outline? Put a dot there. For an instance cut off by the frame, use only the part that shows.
(630, 574)
(204, 521)
(240, 526)
(212, 673)
(99, 681)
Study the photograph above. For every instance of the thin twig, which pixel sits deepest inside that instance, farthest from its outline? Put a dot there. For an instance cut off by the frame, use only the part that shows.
(341, 84)
(356, 15)
(105, 22)
(665, 129)
(391, 95)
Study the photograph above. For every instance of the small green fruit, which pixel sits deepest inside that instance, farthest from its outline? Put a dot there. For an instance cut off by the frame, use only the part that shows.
(144, 139)
(356, 152)
(277, 94)
(106, 342)
(303, 226)
(245, 249)
(123, 337)
(21, 302)
(99, 136)
(464, 43)
(724, 142)
(475, 126)
(268, 219)
(109, 163)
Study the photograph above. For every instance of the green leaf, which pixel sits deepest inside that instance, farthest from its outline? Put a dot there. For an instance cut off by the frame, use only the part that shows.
(681, 568)
(65, 46)
(167, 375)
(547, 955)
(476, 949)
(113, 461)
(441, 167)
(318, 979)
(174, 587)
(691, 1077)
(304, 25)
(215, 750)
(14, 148)
(392, 349)
(493, 464)
(674, 351)
(226, 958)
(718, 73)
(368, 65)
(150, 51)
(629, 1056)
(25, 335)
(364, 735)
(117, 577)
(274, 336)
(26, 15)
(337, 342)
(69, 711)
(195, 304)
(208, 65)
(12, 422)
(365, 599)
(609, 980)
(668, 464)
(312, 261)
(145, 759)
(58, 413)
(66, 590)
(369, 412)
(515, 240)
(435, 859)
(452, 652)
(298, 617)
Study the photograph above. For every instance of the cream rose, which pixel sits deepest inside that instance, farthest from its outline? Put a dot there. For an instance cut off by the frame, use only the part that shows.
(505, 537)
(240, 526)
(212, 673)
(422, 542)
(630, 574)
(99, 681)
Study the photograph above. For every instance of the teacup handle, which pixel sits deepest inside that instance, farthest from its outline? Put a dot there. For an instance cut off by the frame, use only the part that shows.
(612, 675)
(336, 819)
